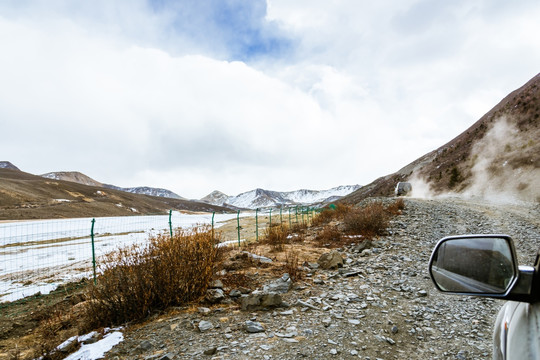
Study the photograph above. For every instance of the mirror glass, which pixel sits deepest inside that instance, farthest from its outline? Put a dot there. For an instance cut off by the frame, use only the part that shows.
(473, 265)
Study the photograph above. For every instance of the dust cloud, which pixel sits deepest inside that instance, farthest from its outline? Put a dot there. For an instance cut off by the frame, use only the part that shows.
(503, 165)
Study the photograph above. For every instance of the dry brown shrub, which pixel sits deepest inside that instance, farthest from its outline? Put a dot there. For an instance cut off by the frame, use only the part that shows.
(396, 207)
(276, 236)
(138, 280)
(292, 265)
(369, 221)
(329, 214)
(328, 236)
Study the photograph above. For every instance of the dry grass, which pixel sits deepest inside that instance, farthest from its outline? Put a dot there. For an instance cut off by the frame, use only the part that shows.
(276, 236)
(136, 281)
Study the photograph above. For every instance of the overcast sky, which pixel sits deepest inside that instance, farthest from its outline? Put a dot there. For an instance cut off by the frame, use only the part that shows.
(231, 95)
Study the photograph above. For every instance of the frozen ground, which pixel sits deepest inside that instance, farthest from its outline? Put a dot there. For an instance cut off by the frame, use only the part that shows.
(37, 256)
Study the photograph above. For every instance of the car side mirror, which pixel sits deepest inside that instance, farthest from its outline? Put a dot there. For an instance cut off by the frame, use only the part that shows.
(482, 265)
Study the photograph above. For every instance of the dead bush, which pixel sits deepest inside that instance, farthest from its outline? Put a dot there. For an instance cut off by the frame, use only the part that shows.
(328, 236)
(396, 207)
(137, 280)
(292, 265)
(328, 214)
(369, 221)
(276, 236)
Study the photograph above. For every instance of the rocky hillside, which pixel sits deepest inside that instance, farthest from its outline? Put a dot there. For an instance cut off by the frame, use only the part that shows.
(499, 155)
(27, 196)
(260, 198)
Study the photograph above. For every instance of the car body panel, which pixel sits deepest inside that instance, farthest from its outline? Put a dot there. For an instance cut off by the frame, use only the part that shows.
(516, 334)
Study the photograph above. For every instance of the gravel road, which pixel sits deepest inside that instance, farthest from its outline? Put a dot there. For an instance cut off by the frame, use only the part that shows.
(380, 305)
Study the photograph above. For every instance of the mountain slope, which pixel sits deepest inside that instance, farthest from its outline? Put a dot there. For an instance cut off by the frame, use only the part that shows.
(27, 196)
(7, 165)
(73, 176)
(80, 178)
(498, 155)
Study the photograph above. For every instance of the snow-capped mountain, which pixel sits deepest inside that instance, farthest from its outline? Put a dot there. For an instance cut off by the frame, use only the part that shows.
(146, 190)
(8, 165)
(260, 198)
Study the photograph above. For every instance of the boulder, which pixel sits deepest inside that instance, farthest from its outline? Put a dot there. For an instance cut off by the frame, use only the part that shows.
(330, 260)
(260, 300)
(280, 286)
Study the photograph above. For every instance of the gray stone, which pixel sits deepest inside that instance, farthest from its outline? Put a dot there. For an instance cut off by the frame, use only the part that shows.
(280, 286)
(211, 351)
(253, 327)
(259, 258)
(260, 300)
(214, 295)
(235, 293)
(205, 325)
(330, 260)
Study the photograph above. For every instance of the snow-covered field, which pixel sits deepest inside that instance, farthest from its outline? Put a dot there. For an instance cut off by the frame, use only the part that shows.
(37, 256)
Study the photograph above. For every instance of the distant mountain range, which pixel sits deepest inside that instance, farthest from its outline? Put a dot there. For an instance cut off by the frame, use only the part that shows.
(260, 198)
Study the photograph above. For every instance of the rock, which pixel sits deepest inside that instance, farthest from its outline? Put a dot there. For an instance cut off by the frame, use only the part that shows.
(280, 286)
(364, 244)
(145, 345)
(211, 351)
(260, 300)
(235, 293)
(214, 295)
(394, 329)
(205, 325)
(253, 327)
(204, 310)
(259, 258)
(330, 260)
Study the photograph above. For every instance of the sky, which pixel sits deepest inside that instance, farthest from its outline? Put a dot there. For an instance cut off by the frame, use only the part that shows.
(232, 95)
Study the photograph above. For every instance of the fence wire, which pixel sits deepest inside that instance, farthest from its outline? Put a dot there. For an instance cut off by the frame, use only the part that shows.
(37, 256)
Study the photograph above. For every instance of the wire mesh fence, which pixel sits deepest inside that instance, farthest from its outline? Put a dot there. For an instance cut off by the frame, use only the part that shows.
(37, 256)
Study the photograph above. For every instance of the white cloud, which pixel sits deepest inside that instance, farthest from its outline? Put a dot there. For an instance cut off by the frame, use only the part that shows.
(116, 91)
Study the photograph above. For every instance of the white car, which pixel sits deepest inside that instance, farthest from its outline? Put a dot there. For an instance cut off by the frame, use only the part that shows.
(486, 265)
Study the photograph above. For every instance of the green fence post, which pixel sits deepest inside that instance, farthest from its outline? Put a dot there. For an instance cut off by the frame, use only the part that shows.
(213, 214)
(238, 227)
(302, 211)
(257, 224)
(270, 217)
(280, 217)
(93, 250)
(170, 222)
(290, 226)
(297, 214)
